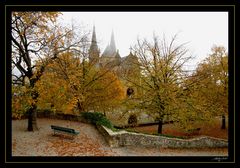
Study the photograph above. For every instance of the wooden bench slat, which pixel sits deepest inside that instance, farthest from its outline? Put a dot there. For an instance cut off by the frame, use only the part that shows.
(64, 129)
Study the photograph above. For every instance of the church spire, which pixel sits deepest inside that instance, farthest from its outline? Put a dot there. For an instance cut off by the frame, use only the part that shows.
(112, 43)
(94, 39)
(110, 50)
(93, 51)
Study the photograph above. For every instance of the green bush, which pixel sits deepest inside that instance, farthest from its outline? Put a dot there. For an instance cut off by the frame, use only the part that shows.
(92, 117)
(104, 121)
(98, 119)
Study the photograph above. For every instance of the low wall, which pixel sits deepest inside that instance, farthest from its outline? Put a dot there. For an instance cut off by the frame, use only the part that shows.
(61, 116)
(124, 138)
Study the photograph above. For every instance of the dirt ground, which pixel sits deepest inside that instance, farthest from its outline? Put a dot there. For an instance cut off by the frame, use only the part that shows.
(88, 143)
(212, 129)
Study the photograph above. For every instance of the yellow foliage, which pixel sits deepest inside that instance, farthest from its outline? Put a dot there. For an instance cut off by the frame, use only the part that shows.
(70, 85)
(21, 101)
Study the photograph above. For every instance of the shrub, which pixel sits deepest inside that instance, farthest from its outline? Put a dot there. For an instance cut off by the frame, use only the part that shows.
(92, 117)
(104, 121)
(98, 119)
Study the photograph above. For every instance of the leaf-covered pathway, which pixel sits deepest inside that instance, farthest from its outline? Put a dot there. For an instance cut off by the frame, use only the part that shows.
(88, 143)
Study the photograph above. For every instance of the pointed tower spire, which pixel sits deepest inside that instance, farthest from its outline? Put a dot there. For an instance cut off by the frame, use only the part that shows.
(94, 39)
(112, 43)
(94, 51)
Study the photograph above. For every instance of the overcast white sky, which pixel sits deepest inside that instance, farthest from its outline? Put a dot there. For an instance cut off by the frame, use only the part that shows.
(201, 29)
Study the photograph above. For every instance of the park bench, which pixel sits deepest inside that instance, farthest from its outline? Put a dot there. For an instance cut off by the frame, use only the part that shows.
(68, 131)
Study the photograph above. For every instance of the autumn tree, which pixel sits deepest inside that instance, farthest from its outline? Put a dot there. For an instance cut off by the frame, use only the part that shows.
(161, 74)
(21, 100)
(193, 107)
(34, 36)
(69, 87)
(211, 83)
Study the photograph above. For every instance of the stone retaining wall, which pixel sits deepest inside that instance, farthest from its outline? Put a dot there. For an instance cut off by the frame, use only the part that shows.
(124, 138)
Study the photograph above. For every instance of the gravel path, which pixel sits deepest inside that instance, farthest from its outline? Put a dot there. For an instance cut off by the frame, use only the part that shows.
(88, 143)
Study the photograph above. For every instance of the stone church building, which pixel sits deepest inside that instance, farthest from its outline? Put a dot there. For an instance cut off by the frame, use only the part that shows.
(124, 67)
(110, 56)
(127, 68)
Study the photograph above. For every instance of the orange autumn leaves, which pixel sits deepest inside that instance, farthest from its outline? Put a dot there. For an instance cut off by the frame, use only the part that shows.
(71, 86)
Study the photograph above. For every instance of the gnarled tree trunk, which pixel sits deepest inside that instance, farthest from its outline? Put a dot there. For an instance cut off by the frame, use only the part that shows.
(32, 119)
(32, 112)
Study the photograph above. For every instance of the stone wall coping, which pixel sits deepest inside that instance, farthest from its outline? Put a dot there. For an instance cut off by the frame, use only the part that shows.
(113, 133)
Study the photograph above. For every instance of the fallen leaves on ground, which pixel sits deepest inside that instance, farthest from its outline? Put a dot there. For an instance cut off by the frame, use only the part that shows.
(83, 146)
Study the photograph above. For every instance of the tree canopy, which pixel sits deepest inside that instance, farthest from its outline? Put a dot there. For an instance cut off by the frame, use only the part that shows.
(55, 74)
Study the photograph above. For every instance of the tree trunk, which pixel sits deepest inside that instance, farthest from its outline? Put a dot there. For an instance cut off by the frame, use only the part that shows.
(223, 122)
(160, 124)
(32, 119)
(32, 112)
(80, 106)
